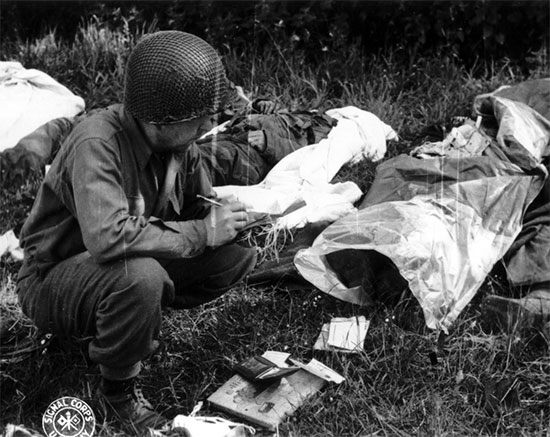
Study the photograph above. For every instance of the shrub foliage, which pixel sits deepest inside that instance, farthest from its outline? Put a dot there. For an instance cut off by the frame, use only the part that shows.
(457, 28)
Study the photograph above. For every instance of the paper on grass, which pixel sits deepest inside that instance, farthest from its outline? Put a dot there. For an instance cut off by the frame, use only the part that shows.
(347, 333)
(314, 367)
(277, 358)
(320, 370)
(343, 335)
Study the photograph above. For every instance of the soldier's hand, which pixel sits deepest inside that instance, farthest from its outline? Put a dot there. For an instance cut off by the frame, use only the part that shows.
(224, 222)
(264, 106)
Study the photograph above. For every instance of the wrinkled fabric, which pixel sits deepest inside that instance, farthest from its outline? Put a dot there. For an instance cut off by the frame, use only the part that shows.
(285, 132)
(463, 141)
(9, 244)
(28, 99)
(522, 135)
(300, 180)
(101, 194)
(229, 158)
(528, 260)
(116, 306)
(534, 93)
(444, 222)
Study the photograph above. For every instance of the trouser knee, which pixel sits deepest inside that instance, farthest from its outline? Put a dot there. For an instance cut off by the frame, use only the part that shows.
(117, 305)
(210, 275)
(129, 316)
(145, 283)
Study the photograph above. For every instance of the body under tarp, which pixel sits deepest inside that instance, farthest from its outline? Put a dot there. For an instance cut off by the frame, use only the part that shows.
(445, 222)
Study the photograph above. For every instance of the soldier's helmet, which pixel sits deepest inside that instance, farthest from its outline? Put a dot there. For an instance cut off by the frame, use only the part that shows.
(173, 76)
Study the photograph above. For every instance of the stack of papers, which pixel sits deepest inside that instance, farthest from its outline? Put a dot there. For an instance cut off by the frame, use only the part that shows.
(343, 334)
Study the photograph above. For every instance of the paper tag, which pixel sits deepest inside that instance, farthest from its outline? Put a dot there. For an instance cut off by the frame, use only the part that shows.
(277, 358)
(348, 333)
(345, 335)
(319, 369)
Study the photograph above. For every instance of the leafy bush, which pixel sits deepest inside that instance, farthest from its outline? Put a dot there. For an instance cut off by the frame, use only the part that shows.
(91, 65)
(471, 31)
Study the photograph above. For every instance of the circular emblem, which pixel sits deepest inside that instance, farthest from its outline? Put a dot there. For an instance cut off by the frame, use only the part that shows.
(68, 417)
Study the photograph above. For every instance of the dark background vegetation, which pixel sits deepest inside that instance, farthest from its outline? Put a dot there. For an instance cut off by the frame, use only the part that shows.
(471, 31)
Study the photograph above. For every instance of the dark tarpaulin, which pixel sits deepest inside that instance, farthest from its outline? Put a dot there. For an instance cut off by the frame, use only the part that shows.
(445, 222)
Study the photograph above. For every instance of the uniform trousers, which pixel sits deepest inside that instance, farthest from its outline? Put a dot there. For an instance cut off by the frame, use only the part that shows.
(115, 307)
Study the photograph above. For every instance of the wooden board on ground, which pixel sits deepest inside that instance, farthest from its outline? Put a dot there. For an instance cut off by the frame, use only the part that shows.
(266, 405)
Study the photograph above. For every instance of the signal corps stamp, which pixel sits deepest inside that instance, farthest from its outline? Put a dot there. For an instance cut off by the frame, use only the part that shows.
(68, 417)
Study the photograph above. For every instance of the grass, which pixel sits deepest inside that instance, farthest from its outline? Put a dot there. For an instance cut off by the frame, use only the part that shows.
(394, 387)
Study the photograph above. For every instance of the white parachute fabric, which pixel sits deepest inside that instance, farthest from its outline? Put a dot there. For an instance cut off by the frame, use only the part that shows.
(28, 99)
(300, 182)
